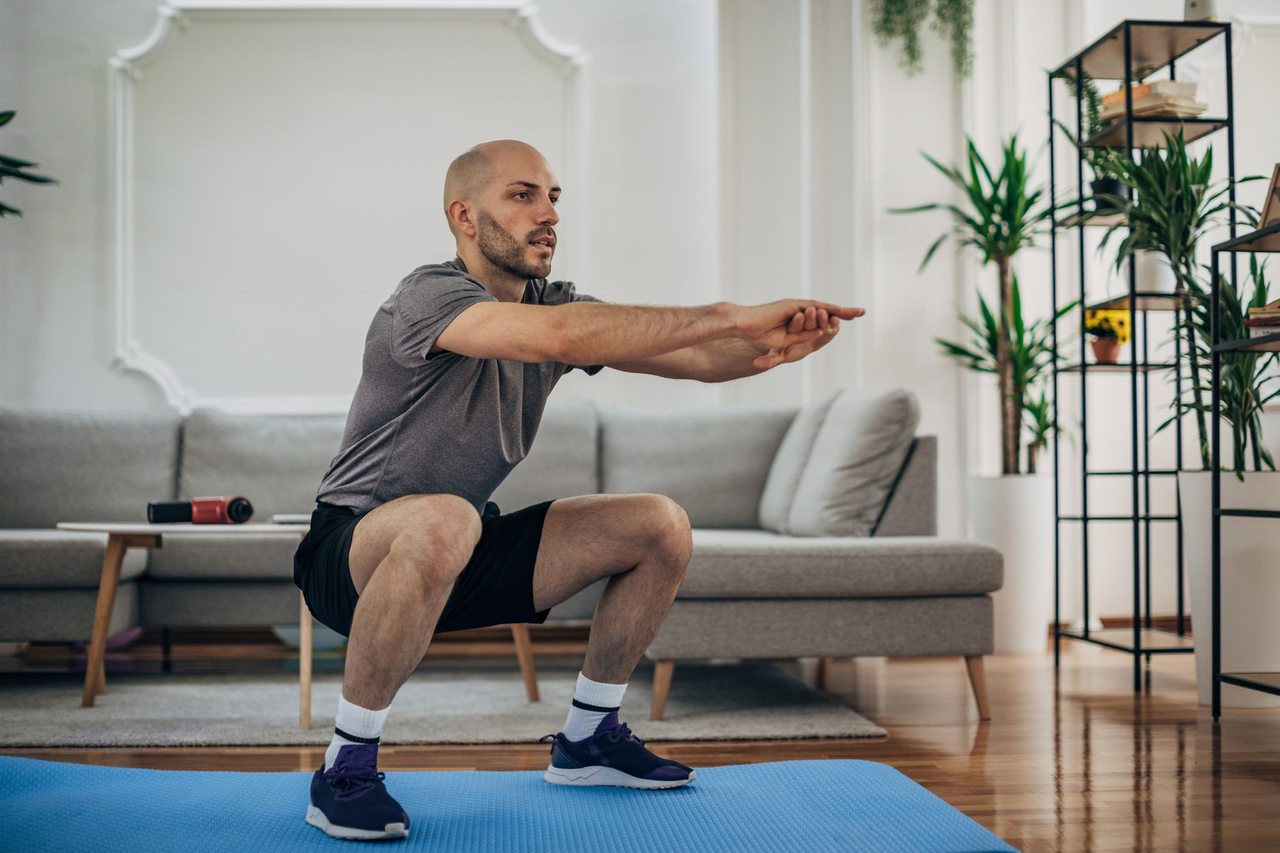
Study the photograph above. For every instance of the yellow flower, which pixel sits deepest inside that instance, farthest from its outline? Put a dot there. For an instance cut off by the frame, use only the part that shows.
(1107, 324)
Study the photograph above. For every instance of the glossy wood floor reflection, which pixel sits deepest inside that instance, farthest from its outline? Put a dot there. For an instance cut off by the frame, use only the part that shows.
(1075, 762)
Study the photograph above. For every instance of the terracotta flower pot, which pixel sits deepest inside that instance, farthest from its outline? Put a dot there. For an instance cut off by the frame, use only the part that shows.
(1106, 350)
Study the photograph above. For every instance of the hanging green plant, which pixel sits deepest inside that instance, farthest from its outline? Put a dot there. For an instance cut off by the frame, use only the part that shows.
(901, 19)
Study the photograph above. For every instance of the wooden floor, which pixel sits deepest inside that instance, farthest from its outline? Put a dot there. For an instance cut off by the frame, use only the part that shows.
(1075, 762)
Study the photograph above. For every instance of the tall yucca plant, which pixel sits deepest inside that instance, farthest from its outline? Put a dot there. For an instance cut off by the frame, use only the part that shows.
(1175, 203)
(1030, 354)
(15, 169)
(1001, 214)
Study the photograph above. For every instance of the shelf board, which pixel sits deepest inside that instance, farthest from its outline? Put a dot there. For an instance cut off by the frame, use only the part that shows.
(1267, 682)
(1153, 44)
(1264, 343)
(1263, 240)
(1100, 221)
(1248, 513)
(1148, 131)
(1118, 518)
(1154, 640)
(1146, 301)
(1115, 368)
(1155, 472)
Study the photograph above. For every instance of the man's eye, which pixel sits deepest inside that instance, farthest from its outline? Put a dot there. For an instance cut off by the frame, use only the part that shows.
(520, 194)
(555, 199)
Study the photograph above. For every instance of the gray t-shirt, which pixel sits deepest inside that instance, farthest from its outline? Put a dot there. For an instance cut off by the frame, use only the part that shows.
(448, 424)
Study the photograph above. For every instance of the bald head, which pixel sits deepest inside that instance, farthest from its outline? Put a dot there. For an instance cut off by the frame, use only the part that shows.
(472, 171)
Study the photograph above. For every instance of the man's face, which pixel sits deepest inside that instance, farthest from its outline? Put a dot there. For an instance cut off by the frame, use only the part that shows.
(516, 224)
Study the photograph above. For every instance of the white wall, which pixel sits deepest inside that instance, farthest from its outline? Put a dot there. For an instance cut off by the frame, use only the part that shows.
(745, 150)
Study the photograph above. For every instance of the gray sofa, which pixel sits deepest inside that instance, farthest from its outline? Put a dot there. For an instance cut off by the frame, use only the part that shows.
(749, 592)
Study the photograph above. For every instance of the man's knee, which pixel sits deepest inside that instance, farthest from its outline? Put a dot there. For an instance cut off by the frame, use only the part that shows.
(437, 536)
(668, 525)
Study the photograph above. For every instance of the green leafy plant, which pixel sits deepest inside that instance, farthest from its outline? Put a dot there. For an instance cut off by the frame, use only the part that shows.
(901, 19)
(1175, 204)
(1030, 355)
(1097, 158)
(13, 168)
(1002, 214)
(1246, 379)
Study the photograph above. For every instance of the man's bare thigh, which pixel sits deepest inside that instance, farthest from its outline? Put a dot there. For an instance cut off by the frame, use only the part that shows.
(371, 540)
(588, 537)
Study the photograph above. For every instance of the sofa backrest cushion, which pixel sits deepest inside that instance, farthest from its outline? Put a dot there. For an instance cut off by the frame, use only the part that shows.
(75, 465)
(563, 462)
(856, 458)
(788, 464)
(275, 460)
(713, 462)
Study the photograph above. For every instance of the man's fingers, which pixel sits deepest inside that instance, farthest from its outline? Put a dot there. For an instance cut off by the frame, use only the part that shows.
(797, 322)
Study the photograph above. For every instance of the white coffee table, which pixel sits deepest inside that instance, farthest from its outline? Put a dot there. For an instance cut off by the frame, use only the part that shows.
(122, 536)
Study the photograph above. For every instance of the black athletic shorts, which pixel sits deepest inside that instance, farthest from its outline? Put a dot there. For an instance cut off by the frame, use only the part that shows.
(495, 588)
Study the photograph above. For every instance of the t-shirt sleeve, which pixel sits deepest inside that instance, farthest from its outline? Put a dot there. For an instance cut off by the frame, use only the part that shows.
(568, 293)
(422, 309)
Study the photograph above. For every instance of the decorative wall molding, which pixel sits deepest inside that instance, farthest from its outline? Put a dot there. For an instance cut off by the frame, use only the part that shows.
(128, 66)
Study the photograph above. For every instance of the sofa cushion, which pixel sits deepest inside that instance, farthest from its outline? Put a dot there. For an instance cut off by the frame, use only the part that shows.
(564, 460)
(788, 465)
(225, 556)
(276, 461)
(45, 558)
(761, 564)
(713, 462)
(73, 465)
(856, 457)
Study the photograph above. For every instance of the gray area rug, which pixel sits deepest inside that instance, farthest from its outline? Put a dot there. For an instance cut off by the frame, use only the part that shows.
(745, 701)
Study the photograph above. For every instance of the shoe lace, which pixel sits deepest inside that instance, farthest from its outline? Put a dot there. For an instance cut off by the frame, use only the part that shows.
(353, 776)
(620, 732)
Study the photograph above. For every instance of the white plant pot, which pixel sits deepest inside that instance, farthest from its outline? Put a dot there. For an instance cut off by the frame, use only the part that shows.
(1015, 514)
(1153, 273)
(1250, 581)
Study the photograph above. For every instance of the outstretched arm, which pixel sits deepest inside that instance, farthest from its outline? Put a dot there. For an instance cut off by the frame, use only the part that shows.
(735, 358)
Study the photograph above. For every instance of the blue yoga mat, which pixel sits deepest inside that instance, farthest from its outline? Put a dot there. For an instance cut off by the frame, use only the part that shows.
(806, 806)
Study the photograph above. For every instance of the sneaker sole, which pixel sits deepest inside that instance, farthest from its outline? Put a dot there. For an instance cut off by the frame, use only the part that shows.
(608, 776)
(316, 818)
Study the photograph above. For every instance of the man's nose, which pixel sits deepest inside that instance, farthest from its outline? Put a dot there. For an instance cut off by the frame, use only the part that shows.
(547, 214)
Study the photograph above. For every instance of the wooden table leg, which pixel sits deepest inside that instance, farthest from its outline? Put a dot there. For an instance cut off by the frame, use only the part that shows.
(524, 654)
(94, 667)
(304, 665)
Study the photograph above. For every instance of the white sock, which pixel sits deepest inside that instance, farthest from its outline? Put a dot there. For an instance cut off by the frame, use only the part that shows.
(358, 723)
(582, 722)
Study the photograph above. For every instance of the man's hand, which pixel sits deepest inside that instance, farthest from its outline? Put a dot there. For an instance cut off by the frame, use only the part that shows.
(790, 329)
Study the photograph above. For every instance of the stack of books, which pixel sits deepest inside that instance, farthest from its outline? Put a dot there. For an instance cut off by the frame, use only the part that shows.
(1173, 98)
(1265, 320)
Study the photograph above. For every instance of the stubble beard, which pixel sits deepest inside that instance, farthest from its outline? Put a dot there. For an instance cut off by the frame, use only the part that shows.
(505, 252)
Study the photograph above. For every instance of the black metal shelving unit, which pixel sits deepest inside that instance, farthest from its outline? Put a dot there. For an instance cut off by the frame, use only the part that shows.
(1149, 46)
(1263, 240)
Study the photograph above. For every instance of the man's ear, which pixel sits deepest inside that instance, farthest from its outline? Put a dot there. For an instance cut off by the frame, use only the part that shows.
(460, 215)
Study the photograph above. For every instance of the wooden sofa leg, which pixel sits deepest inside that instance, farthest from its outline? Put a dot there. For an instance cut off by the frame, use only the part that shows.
(662, 671)
(978, 680)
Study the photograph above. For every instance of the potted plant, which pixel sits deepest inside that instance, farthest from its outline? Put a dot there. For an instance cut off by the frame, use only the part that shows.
(1108, 331)
(1175, 204)
(1002, 213)
(1250, 549)
(12, 167)
(1106, 185)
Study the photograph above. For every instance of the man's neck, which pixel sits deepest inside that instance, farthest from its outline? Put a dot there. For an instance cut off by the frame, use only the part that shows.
(501, 285)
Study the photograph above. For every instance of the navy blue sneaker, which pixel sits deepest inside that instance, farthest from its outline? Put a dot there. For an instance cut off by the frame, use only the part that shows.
(612, 756)
(350, 800)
